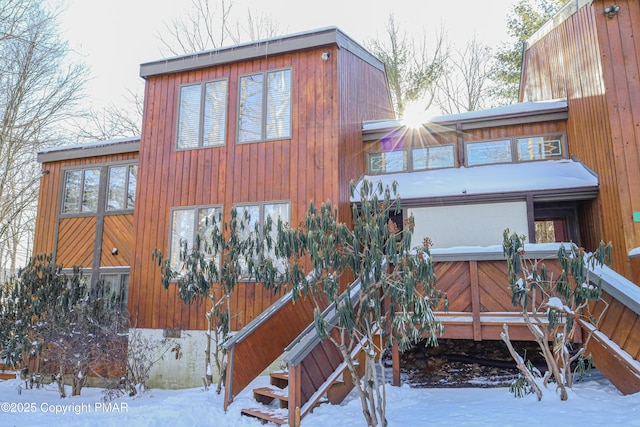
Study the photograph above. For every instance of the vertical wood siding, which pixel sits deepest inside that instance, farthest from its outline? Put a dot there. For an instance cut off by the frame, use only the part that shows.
(304, 168)
(593, 61)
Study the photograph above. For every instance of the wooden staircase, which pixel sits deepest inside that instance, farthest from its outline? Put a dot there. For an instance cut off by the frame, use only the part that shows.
(272, 402)
(317, 373)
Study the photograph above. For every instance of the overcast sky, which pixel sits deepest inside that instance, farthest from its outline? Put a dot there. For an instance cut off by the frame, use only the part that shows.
(114, 37)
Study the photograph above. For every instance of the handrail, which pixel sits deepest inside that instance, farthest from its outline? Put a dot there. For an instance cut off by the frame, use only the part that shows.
(308, 339)
(250, 327)
(618, 286)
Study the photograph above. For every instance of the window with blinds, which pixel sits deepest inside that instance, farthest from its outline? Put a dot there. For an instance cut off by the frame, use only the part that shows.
(202, 115)
(264, 106)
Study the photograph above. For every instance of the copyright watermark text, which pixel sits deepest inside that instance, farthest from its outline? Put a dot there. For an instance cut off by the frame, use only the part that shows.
(57, 409)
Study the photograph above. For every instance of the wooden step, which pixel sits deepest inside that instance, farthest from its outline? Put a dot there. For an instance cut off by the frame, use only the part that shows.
(7, 375)
(267, 414)
(267, 394)
(279, 379)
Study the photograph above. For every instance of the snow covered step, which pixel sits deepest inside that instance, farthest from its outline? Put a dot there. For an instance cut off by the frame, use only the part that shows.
(279, 379)
(267, 394)
(267, 414)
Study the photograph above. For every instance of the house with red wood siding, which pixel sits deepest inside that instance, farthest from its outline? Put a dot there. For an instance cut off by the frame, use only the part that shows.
(269, 126)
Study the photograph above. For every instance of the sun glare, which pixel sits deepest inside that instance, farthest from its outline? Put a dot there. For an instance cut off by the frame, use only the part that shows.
(414, 115)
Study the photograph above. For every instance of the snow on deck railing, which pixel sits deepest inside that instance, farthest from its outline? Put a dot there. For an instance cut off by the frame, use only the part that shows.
(619, 287)
(308, 339)
(493, 253)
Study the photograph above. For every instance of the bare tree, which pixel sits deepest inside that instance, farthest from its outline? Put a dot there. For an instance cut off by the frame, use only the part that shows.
(466, 84)
(114, 121)
(39, 86)
(412, 71)
(210, 24)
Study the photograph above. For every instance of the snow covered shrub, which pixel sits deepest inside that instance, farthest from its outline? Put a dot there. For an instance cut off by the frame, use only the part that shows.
(209, 271)
(65, 327)
(396, 291)
(551, 308)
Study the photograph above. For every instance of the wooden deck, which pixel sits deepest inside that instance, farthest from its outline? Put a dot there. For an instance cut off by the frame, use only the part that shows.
(480, 304)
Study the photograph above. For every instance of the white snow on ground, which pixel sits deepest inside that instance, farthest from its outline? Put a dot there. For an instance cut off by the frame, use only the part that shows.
(594, 402)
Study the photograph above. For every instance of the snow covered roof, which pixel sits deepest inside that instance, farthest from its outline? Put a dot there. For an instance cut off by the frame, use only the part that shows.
(520, 112)
(548, 179)
(98, 148)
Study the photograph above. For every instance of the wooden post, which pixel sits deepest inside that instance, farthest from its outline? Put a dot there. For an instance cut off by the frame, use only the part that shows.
(228, 384)
(295, 395)
(475, 300)
(395, 363)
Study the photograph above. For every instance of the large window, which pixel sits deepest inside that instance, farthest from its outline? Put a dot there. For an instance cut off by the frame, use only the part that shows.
(117, 285)
(186, 224)
(264, 106)
(202, 115)
(81, 188)
(258, 214)
(121, 191)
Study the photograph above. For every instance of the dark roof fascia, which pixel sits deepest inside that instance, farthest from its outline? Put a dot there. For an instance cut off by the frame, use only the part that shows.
(446, 125)
(561, 16)
(103, 148)
(260, 49)
(565, 194)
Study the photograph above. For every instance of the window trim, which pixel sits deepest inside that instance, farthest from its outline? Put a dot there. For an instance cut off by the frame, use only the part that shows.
(121, 272)
(127, 209)
(409, 159)
(63, 192)
(263, 121)
(509, 144)
(195, 208)
(515, 154)
(202, 85)
(559, 136)
(262, 219)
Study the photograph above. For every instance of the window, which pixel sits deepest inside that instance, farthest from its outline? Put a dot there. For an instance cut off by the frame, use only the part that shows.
(186, 224)
(258, 214)
(488, 152)
(121, 191)
(117, 284)
(440, 156)
(264, 102)
(388, 161)
(539, 147)
(202, 115)
(80, 193)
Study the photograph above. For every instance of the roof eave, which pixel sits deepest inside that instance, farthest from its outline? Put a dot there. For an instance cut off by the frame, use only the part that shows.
(465, 124)
(106, 148)
(259, 49)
